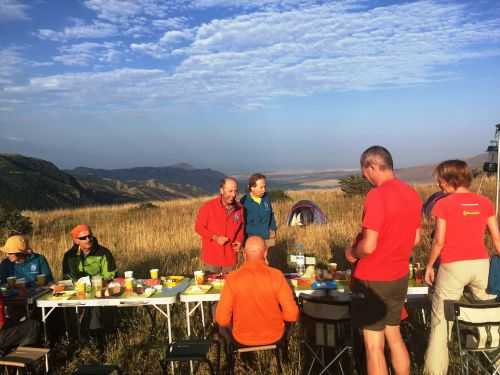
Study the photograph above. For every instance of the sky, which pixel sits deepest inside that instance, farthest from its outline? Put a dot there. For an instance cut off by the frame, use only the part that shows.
(247, 85)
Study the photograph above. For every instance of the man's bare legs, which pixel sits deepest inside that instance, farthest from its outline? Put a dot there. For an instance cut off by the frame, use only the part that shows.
(399, 354)
(375, 358)
(374, 346)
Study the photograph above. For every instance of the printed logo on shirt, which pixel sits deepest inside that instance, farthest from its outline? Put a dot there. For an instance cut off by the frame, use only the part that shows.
(236, 218)
(33, 268)
(471, 213)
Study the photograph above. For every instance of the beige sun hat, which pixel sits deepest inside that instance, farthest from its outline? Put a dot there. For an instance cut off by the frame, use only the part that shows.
(15, 245)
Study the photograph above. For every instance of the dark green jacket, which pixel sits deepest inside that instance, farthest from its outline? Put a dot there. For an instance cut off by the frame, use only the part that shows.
(98, 262)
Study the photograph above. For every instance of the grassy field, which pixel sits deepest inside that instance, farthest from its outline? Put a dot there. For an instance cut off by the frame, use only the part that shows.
(164, 238)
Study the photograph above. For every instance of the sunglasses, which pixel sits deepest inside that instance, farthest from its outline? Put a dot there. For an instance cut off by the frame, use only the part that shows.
(89, 237)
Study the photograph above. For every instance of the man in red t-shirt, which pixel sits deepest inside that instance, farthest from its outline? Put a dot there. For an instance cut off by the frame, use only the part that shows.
(220, 224)
(391, 228)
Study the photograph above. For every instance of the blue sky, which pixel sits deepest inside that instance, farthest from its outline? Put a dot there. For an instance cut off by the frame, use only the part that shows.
(245, 85)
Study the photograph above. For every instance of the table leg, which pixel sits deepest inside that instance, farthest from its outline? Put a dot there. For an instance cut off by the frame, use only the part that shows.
(153, 320)
(188, 320)
(44, 321)
(169, 322)
(203, 319)
(169, 325)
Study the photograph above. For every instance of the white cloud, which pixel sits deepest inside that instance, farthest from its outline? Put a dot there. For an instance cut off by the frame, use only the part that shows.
(165, 46)
(14, 139)
(249, 59)
(176, 36)
(86, 53)
(95, 30)
(38, 64)
(172, 23)
(10, 65)
(13, 10)
(125, 11)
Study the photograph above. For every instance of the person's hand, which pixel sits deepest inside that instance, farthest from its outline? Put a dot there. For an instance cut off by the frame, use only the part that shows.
(221, 240)
(429, 275)
(272, 233)
(349, 255)
(236, 246)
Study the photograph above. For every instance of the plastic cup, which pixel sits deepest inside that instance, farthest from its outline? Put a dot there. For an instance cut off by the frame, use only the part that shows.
(153, 273)
(80, 289)
(419, 275)
(11, 281)
(199, 277)
(129, 284)
(41, 279)
(348, 275)
(139, 289)
(129, 274)
(97, 282)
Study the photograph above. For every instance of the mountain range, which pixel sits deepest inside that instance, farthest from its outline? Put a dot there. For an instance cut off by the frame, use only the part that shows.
(36, 184)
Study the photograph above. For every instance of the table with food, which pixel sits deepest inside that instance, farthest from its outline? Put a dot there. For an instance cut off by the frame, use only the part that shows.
(158, 292)
(206, 287)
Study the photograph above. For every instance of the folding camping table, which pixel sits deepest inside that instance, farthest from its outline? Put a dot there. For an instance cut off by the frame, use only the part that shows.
(342, 290)
(166, 297)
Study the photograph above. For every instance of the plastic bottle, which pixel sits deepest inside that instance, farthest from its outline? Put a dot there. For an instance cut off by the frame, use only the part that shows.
(300, 259)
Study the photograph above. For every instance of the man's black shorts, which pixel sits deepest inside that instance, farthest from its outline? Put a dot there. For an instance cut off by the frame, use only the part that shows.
(376, 304)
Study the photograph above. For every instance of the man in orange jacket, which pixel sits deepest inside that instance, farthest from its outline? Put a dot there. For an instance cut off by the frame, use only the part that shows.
(220, 224)
(256, 299)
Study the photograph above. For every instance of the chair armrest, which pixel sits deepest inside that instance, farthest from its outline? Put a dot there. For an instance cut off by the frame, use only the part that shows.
(450, 311)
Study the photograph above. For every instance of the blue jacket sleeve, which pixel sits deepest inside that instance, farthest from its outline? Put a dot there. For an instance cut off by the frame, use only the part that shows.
(4, 271)
(45, 269)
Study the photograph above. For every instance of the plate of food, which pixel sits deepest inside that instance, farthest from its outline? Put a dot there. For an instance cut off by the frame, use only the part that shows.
(198, 289)
(172, 281)
(63, 295)
(218, 283)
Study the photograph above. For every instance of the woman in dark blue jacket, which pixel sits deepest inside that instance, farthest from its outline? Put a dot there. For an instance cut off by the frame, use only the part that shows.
(259, 215)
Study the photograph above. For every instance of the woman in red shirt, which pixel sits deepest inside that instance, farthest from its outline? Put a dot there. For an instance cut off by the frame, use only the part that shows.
(461, 220)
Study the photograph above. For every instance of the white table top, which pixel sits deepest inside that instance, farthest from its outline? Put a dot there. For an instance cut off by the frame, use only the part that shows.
(168, 296)
(213, 295)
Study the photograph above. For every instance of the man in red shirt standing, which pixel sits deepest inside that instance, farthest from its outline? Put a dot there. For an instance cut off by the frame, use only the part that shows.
(221, 227)
(390, 230)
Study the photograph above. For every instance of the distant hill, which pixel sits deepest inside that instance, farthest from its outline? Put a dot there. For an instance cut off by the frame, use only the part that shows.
(106, 190)
(423, 173)
(36, 184)
(183, 174)
(29, 183)
(301, 180)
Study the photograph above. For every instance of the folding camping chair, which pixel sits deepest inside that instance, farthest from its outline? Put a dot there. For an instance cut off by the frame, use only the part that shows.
(477, 332)
(325, 325)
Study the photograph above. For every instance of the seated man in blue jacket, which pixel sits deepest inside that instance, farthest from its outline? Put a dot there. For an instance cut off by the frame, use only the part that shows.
(22, 262)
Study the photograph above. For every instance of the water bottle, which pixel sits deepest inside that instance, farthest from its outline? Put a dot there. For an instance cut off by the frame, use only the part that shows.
(300, 259)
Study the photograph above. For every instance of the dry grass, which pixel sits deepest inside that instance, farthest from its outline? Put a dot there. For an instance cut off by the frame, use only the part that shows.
(165, 238)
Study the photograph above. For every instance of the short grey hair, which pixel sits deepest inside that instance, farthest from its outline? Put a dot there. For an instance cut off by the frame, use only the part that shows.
(377, 155)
